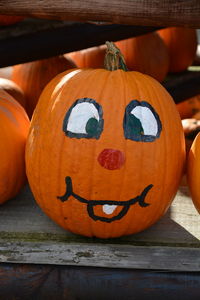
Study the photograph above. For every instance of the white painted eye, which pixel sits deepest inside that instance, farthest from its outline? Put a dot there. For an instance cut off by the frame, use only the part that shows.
(147, 120)
(84, 119)
(80, 115)
(141, 122)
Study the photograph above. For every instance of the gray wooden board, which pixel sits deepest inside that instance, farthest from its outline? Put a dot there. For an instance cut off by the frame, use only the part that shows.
(27, 235)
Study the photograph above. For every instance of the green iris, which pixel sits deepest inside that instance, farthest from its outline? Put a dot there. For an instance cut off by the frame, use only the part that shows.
(134, 125)
(92, 127)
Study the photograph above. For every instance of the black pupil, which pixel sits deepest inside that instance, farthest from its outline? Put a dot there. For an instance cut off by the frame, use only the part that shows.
(92, 126)
(134, 125)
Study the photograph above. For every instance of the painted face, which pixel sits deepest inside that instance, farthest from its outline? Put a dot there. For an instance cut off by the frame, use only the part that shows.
(84, 119)
(106, 161)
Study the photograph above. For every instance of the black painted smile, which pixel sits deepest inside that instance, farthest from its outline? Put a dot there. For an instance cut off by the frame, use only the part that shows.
(91, 203)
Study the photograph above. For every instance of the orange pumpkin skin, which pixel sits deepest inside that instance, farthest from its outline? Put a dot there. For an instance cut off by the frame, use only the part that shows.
(13, 89)
(108, 169)
(6, 20)
(197, 115)
(189, 107)
(32, 77)
(193, 167)
(182, 45)
(14, 129)
(89, 58)
(146, 54)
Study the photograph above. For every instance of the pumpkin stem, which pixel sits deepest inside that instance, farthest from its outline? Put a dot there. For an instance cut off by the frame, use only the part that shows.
(114, 59)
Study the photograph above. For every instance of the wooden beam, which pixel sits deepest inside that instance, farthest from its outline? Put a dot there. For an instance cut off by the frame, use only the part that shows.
(37, 39)
(133, 12)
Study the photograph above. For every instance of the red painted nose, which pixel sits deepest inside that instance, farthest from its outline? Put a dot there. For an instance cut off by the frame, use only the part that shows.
(111, 159)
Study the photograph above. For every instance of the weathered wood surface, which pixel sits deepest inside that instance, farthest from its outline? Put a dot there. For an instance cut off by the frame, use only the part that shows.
(34, 39)
(135, 12)
(29, 236)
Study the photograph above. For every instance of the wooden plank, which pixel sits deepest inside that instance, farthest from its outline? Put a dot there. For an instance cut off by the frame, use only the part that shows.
(109, 256)
(29, 236)
(37, 39)
(135, 12)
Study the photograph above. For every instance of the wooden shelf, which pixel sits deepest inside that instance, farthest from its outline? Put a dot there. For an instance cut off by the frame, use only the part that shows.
(27, 235)
(135, 12)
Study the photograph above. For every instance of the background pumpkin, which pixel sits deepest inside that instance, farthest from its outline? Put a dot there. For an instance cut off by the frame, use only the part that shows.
(181, 43)
(8, 20)
(13, 89)
(97, 164)
(14, 124)
(146, 54)
(89, 58)
(189, 107)
(197, 115)
(193, 174)
(191, 128)
(33, 76)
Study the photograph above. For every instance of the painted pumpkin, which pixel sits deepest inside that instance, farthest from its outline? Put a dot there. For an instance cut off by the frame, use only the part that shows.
(6, 20)
(89, 58)
(147, 54)
(32, 77)
(193, 167)
(14, 125)
(105, 151)
(181, 43)
(13, 89)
